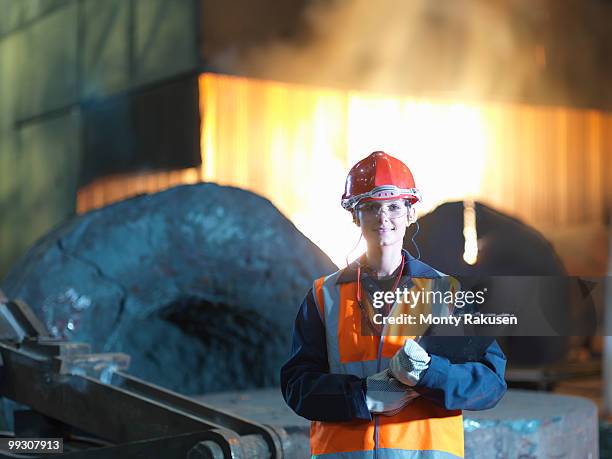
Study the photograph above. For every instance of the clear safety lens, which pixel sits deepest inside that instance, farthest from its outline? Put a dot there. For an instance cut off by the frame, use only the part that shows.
(394, 209)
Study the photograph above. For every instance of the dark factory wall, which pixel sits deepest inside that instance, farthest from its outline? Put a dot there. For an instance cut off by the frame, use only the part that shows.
(60, 63)
(154, 128)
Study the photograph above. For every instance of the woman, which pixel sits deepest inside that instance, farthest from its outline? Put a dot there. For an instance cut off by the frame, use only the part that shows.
(369, 392)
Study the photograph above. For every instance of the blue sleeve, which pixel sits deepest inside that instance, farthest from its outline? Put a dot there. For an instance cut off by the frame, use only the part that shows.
(466, 386)
(306, 383)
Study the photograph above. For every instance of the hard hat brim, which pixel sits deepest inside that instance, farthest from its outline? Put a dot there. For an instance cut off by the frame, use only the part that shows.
(383, 193)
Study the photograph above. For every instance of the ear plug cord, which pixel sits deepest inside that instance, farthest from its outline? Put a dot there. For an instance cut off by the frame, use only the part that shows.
(416, 247)
(352, 250)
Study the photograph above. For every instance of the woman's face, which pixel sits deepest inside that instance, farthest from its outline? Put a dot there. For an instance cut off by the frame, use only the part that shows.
(383, 223)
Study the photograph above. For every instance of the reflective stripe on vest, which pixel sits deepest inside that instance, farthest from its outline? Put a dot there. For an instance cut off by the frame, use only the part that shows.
(421, 430)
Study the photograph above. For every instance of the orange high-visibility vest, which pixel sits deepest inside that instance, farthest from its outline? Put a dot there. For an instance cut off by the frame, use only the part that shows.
(422, 430)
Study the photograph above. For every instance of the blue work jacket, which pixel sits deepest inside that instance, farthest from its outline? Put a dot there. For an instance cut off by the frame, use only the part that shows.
(318, 395)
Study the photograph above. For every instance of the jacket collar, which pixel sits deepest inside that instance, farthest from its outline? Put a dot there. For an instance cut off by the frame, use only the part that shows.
(412, 268)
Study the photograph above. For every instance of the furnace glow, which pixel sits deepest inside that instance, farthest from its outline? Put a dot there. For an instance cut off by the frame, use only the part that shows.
(294, 144)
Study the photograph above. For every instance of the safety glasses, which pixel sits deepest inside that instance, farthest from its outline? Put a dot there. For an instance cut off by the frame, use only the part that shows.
(394, 209)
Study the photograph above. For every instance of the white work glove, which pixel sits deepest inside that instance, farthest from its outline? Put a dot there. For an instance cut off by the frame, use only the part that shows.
(409, 363)
(386, 395)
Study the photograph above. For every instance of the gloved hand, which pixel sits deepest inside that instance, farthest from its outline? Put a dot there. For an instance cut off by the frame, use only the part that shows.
(386, 395)
(409, 363)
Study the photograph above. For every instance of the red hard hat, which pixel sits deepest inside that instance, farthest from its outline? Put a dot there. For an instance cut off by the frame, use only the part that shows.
(379, 177)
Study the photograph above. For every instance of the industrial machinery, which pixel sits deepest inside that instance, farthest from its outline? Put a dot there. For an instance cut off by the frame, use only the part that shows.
(102, 412)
